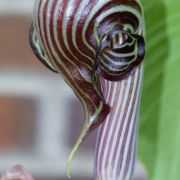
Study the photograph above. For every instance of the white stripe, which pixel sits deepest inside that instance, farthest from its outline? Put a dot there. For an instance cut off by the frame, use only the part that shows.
(113, 123)
(35, 10)
(106, 125)
(58, 6)
(37, 29)
(100, 135)
(104, 129)
(133, 154)
(97, 7)
(108, 68)
(127, 43)
(125, 124)
(127, 142)
(55, 18)
(117, 70)
(41, 28)
(108, 137)
(105, 94)
(39, 42)
(122, 8)
(121, 40)
(122, 55)
(65, 21)
(50, 41)
(119, 120)
(52, 47)
(67, 12)
(129, 81)
(77, 18)
(119, 63)
(130, 131)
(129, 28)
(115, 130)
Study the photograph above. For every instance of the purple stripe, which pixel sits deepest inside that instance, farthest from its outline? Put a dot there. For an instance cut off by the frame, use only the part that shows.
(120, 128)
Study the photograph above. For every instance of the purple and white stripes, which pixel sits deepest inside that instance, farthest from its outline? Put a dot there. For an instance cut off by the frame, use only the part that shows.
(116, 143)
(92, 41)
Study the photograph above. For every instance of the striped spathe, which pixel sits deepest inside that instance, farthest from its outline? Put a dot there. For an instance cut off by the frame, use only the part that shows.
(87, 41)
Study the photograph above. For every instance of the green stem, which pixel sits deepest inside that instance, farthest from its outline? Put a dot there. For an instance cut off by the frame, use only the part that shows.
(76, 146)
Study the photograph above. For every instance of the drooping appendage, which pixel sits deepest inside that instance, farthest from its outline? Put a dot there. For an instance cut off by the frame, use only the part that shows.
(85, 40)
(116, 143)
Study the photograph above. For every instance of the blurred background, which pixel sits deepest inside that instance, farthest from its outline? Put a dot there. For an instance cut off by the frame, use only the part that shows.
(40, 117)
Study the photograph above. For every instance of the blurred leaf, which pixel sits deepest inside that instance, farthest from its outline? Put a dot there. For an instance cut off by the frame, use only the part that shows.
(159, 141)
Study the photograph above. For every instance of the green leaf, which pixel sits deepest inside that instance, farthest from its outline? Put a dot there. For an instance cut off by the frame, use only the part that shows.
(159, 141)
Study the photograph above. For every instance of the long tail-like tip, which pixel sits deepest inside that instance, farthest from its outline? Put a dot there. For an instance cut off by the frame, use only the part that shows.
(75, 148)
